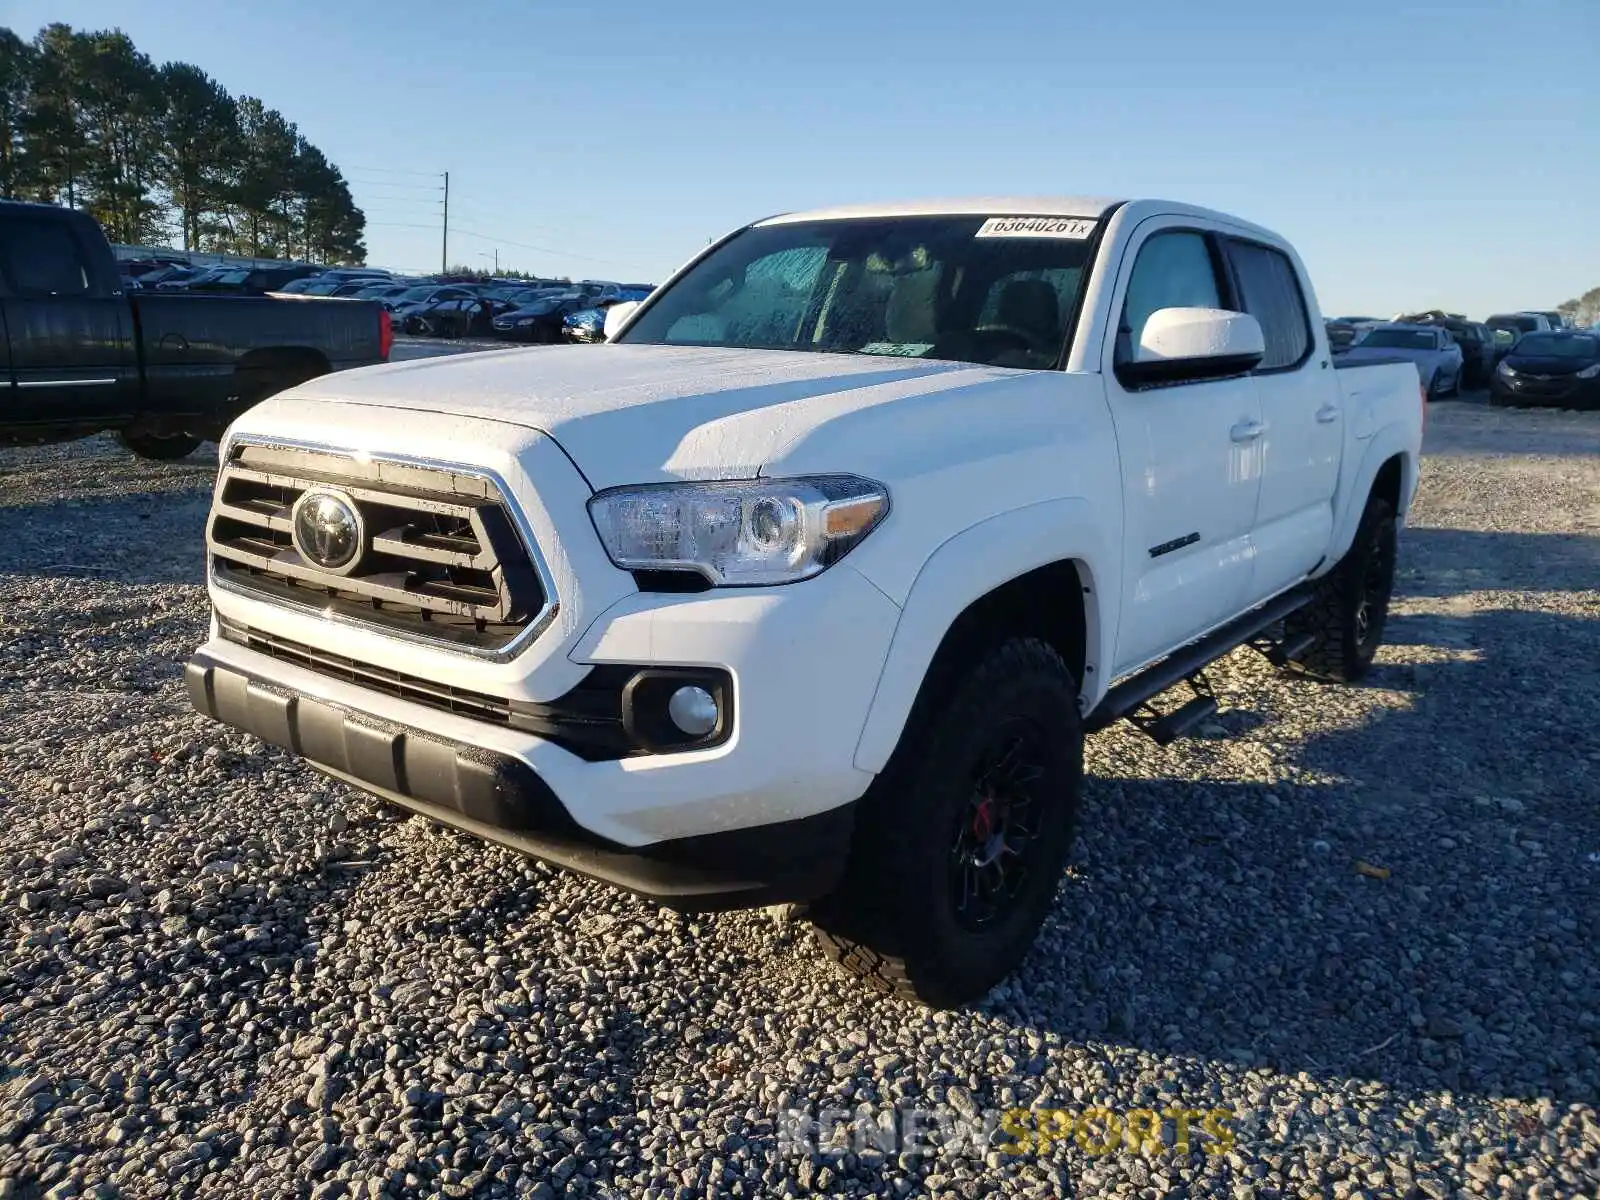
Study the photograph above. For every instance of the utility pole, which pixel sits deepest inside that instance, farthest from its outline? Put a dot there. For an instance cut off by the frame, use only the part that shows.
(444, 245)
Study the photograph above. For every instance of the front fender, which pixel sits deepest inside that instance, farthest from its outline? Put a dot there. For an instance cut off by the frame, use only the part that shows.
(967, 567)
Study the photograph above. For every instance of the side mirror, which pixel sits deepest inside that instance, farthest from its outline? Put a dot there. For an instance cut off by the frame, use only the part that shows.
(1187, 345)
(617, 316)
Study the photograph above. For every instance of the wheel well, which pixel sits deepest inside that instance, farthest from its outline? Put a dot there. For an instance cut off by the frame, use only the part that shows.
(1046, 603)
(1388, 483)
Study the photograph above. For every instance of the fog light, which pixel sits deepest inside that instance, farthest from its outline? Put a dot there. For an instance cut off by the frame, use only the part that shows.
(693, 710)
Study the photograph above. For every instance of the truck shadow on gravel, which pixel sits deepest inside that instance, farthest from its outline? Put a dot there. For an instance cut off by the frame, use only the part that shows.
(1449, 562)
(1418, 915)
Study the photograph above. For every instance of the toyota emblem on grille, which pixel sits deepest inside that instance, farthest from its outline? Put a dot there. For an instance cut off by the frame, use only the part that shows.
(328, 530)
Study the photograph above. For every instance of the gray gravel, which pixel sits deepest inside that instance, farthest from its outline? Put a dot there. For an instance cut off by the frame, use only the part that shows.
(1363, 922)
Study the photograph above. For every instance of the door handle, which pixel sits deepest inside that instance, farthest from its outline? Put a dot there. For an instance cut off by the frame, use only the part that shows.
(1247, 430)
(1328, 414)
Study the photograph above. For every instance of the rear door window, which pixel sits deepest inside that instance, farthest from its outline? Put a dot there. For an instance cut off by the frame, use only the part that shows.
(42, 257)
(1269, 290)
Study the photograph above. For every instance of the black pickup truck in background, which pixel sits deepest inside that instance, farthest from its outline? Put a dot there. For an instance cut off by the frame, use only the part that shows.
(79, 355)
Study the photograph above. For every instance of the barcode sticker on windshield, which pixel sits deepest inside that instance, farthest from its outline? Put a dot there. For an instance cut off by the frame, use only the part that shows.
(1074, 228)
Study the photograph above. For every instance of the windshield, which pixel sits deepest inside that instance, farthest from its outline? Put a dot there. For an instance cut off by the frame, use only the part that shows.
(996, 292)
(417, 293)
(1558, 345)
(1400, 339)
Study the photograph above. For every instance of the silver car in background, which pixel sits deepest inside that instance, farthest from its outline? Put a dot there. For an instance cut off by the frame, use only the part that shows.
(1431, 349)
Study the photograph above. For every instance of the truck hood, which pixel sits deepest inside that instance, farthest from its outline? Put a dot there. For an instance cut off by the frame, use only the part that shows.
(643, 414)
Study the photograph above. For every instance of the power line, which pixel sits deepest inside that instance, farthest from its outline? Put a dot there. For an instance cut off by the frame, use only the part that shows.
(473, 213)
(505, 241)
(419, 195)
(393, 171)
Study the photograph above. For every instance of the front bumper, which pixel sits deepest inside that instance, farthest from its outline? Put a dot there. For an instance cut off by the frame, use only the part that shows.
(1559, 392)
(801, 664)
(502, 799)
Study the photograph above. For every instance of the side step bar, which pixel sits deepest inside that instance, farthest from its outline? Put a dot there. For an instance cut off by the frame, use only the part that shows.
(1125, 698)
(1180, 722)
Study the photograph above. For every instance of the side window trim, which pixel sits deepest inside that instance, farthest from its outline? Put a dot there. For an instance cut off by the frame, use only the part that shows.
(1228, 242)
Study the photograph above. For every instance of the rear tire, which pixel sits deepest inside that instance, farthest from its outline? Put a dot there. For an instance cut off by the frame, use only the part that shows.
(960, 843)
(160, 447)
(1351, 607)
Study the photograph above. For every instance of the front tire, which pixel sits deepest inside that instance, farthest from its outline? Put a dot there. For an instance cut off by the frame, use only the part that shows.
(160, 447)
(960, 843)
(1348, 614)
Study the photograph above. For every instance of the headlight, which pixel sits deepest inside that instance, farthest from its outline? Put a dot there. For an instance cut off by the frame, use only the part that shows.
(741, 533)
(1505, 369)
(1589, 372)
(521, 321)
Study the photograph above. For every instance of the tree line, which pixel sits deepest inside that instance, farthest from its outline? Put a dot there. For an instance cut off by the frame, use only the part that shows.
(1583, 311)
(164, 153)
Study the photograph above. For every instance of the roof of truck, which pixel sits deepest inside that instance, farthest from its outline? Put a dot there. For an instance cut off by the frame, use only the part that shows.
(1085, 207)
(992, 206)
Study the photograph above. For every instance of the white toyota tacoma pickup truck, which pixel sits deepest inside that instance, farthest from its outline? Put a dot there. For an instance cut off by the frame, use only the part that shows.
(808, 584)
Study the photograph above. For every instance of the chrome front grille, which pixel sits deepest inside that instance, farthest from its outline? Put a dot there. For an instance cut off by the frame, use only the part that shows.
(441, 556)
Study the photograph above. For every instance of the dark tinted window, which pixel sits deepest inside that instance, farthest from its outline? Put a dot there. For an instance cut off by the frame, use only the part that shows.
(1270, 292)
(1401, 339)
(1173, 270)
(42, 258)
(1559, 345)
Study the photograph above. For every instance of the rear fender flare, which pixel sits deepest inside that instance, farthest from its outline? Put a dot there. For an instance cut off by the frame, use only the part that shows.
(1393, 439)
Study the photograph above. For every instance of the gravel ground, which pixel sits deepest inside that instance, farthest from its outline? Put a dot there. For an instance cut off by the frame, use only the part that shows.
(1363, 923)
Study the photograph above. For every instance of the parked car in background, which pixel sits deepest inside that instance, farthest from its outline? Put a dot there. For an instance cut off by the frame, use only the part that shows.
(1508, 327)
(461, 316)
(384, 293)
(1478, 352)
(1559, 368)
(169, 274)
(589, 324)
(182, 283)
(413, 300)
(244, 281)
(330, 280)
(1341, 335)
(1476, 341)
(1430, 349)
(222, 282)
(540, 319)
(1557, 321)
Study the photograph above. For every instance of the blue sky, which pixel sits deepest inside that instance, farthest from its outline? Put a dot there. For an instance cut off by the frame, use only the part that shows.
(1445, 155)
